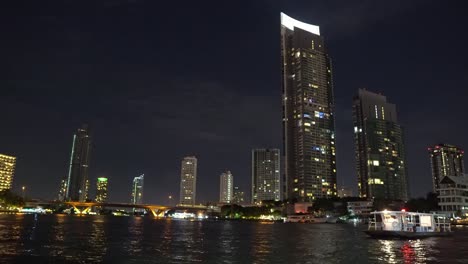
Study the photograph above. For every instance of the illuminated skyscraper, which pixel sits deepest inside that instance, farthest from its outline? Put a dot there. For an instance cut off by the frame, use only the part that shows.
(7, 171)
(137, 189)
(77, 182)
(379, 148)
(238, 196)
(266, 175)
(446, 160)
(226, 187)
(188, 181)
(308, 113)
(63, 189)
(101, 190)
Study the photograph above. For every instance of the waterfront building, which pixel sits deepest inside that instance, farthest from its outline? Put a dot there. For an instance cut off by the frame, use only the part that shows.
(77, 181)
(308, 113)
(360, 208)
(137, 189)
(101, 190)
(238, 196)
(379, 148)
(446, 160)
(188, 181)
(453, 195)
(345, 191)
(7, 171)
(226, 187)
(266, 175)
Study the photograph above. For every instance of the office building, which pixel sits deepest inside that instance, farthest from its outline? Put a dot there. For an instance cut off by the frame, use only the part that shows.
(360, 208)
(101, 190)
(453, 195)
(77, 181)
(226, 187)
(379, 148)
(265, 175)
(308, 113)
(7, 171)
(238, 196)
(188, 181)
(137, 189)
(446, 160)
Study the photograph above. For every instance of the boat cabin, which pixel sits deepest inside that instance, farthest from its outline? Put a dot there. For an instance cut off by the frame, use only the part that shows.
(408, 222)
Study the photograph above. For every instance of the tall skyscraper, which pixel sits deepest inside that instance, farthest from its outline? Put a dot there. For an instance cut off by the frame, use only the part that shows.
(238, 196)
(188, 181)
(101, 190)
(7, 171)
(226, 187)
(266, 175)
(379, 148)
(446, 160)
(137, 189)
(308, 113)
(77, 182)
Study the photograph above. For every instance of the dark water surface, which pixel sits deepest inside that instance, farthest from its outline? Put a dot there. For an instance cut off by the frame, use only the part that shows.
(110, 239)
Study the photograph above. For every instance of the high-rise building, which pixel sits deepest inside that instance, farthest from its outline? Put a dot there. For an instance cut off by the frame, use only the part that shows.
(238, 196)
(266, 175)
(137, 189)
(77, 182)
(7, 171)
(63, 189)
(308, 113)
(188, 181)
(446, 160)
(379, 148)
(226, 187)
(101, 190)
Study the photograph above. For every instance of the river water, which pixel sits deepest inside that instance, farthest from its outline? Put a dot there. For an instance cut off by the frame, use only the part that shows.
(111, 239)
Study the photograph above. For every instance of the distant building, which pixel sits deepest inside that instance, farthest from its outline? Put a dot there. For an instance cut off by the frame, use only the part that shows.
(360, 208)
(101, 190)
(188, 181)
(226, 187)
(7, 171)
(344, 191)
(238, 196)
(62, 190)
(379, 148)
(308, 113)
(446, 160)
(137, 189)
(266, 175)
(77, 182)
(453, 195)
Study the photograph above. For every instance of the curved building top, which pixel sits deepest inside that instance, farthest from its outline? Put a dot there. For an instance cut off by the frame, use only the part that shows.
(291, 23)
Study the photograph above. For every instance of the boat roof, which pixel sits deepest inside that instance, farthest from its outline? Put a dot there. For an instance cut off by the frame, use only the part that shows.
(402, 212)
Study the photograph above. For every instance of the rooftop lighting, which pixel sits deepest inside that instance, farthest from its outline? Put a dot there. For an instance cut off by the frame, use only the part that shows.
(291, 23)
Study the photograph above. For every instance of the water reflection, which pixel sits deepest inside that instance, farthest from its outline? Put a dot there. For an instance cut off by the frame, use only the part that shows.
(97, 240)
(261, 247)
(133, 244)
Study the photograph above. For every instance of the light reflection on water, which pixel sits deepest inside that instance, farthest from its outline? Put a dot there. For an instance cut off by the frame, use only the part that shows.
(97, 239)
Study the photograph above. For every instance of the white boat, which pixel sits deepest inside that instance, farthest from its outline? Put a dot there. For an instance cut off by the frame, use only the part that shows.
(305, 218)
(402, 224)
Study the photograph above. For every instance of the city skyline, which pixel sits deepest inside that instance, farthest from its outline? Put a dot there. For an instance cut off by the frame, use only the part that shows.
(125, 78)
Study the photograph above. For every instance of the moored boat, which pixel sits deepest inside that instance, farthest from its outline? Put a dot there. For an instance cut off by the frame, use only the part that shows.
(407, 225)
(305, 218)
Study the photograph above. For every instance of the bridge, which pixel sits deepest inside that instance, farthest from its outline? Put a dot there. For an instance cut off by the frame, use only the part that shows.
(155, 210)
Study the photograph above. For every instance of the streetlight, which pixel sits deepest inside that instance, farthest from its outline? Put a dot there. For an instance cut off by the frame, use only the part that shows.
(170, 199)
(23, 189)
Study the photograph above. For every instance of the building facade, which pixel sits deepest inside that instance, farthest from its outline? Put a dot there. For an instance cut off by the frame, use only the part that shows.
(379, 148)
(266, 175)
(226, 187)
(446, 160)
(188, 181)
(308, 113)
(101, 190)
(77, 182)
(453, 195)
(360, 208)
(239, 196)
(137, 189)
(7, 171)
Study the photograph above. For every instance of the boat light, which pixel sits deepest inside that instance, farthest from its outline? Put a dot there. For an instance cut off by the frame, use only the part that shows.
(403, 210)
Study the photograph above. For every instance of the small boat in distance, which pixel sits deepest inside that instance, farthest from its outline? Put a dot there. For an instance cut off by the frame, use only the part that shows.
(407, 225)
(305, 218)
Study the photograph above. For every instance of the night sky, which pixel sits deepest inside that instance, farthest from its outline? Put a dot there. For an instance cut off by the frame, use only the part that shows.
(159, 80)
